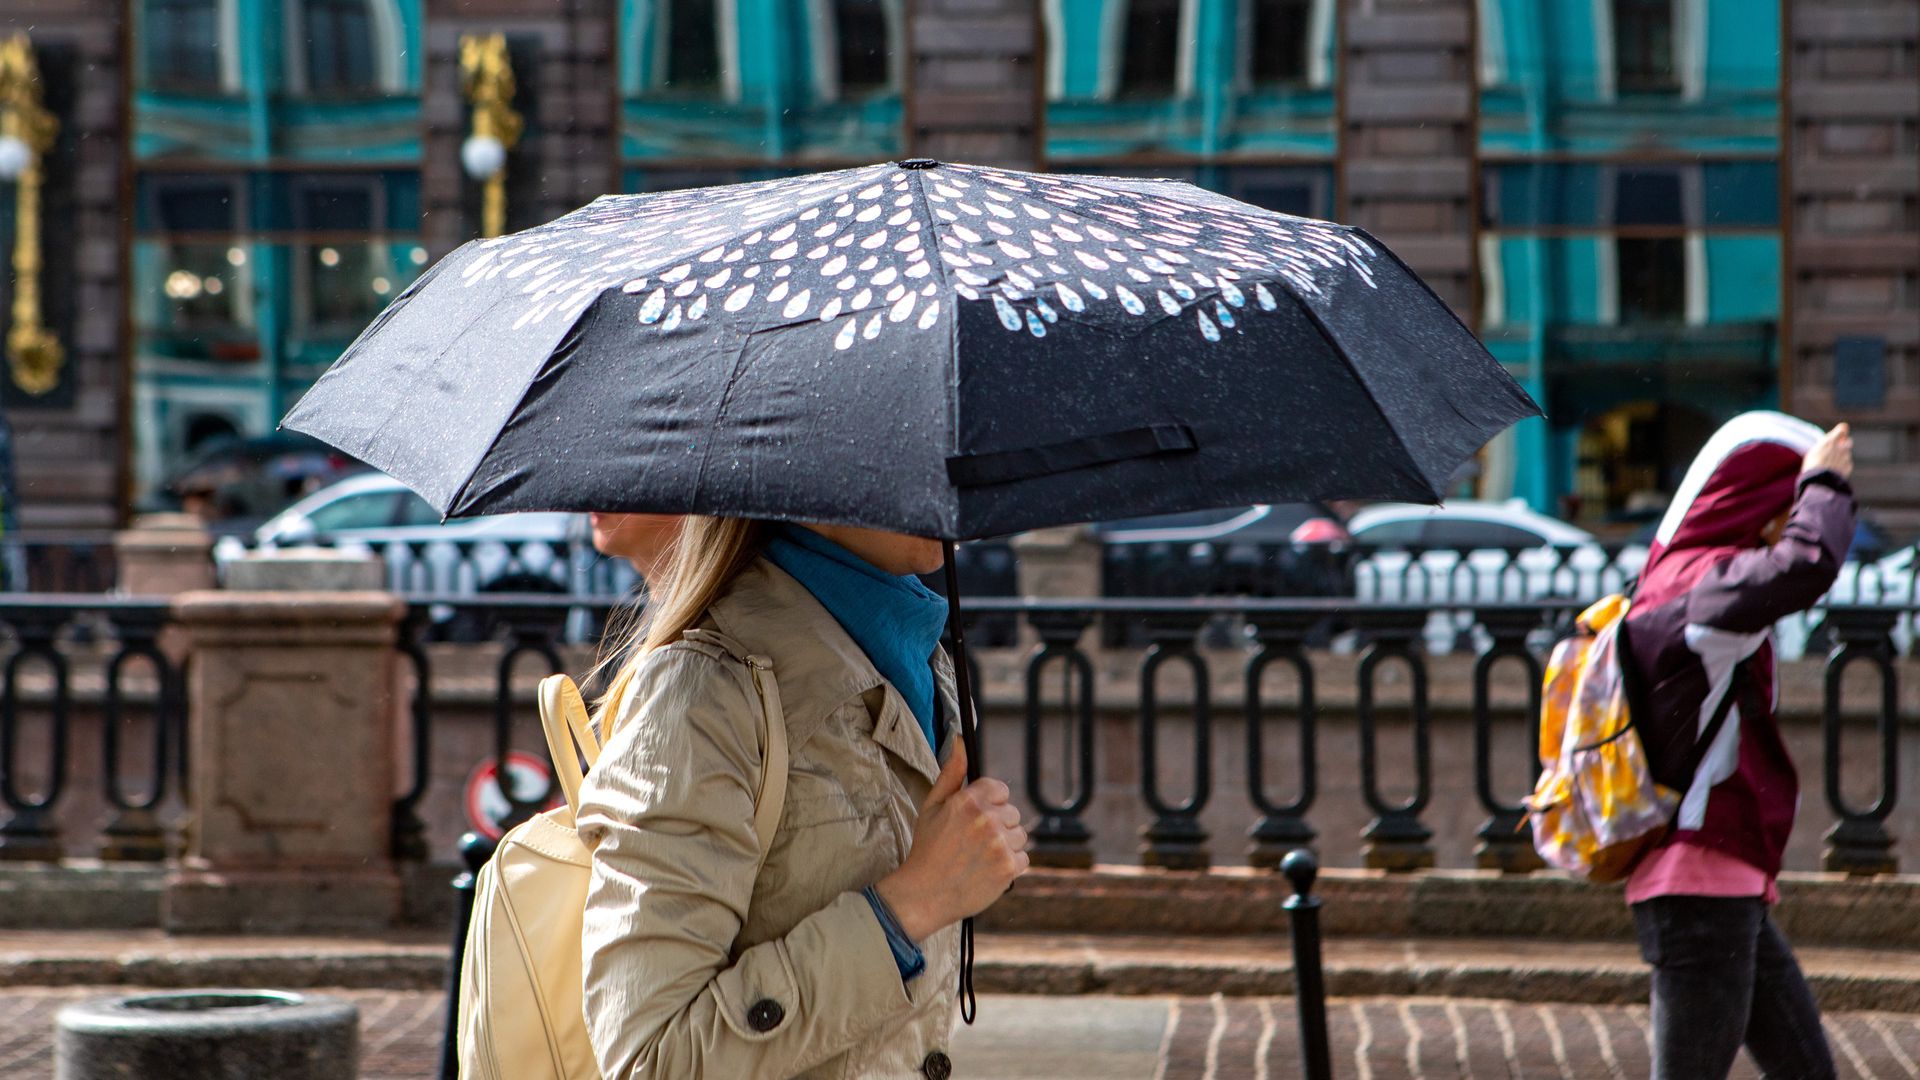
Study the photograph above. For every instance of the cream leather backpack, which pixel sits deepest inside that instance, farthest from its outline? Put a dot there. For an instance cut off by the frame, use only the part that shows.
(521, 997)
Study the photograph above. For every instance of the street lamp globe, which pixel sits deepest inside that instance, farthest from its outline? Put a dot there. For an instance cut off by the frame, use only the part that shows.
(15, 157)
(483, 156)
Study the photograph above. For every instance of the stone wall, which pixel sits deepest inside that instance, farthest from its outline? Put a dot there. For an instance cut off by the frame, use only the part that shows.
(562, 53)
(1852, 76)
(70, 445)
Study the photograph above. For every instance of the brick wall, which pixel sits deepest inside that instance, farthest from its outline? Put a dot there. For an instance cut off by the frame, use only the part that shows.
(1853, 102)
(69, 446)
(974, 81)
(563, 58)
(1409, 135)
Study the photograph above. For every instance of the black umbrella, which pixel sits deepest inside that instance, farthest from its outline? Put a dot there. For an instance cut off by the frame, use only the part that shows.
(944, 350)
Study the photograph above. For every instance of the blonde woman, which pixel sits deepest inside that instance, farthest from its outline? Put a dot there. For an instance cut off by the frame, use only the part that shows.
(838, 955)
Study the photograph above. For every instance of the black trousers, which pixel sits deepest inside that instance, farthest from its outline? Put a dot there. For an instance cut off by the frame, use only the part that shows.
(1724, 977)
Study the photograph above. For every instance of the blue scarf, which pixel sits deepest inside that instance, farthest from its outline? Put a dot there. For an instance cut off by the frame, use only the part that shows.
(895, 619)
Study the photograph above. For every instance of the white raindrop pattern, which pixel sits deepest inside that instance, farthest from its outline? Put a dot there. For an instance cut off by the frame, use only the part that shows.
(856, 249)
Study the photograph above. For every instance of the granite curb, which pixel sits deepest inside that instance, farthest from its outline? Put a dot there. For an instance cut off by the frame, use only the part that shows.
(1589, 974)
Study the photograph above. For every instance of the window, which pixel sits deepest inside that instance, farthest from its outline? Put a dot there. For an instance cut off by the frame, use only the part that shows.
(370, 510)
(1391, 533)
(1643, 47)
(339, 48)
(1466, 534)
(1648, 197)
(183, 45)
(692, 44)
(1652, 278)
(863, 42)
(1150, 49)
(416, 511)
(1280, 41)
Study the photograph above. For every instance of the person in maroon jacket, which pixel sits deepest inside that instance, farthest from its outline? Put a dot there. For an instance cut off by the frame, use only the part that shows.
(1757, 532)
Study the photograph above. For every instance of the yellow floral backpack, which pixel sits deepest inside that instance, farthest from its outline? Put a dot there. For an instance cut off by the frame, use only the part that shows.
(1597, 807)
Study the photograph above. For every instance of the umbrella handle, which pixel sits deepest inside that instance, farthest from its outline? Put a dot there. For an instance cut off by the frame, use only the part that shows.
(969, 738)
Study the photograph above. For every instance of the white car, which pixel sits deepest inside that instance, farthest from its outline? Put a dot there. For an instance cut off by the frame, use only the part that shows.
(1480, 552)
(1468, 552)
(1889, 582)
(372, 512)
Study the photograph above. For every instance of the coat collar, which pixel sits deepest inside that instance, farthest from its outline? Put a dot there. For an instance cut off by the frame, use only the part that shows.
(820, 667)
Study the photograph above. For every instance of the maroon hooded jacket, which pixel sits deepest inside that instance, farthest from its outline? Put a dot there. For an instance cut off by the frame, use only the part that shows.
(1706, 603)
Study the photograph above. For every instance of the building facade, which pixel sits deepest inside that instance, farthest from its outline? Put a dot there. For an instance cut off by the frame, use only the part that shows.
(1657, 213)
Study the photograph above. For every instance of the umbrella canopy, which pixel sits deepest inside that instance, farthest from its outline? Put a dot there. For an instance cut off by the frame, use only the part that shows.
(937, 349)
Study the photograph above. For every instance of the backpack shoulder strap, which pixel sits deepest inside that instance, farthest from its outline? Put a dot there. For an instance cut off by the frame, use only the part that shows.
(1737, 688)
(771, 801)
(564, 721)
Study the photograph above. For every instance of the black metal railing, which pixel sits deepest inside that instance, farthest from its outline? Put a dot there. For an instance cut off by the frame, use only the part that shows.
(99, 665)
(50, 636)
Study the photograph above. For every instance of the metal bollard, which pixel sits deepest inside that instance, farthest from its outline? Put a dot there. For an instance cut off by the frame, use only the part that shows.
(1309, 984)
(475, 850)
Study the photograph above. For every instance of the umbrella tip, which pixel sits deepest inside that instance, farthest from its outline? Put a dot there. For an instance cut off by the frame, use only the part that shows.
(918, 163)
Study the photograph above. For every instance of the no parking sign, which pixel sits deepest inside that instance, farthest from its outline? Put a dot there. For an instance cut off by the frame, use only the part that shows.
(487, 805)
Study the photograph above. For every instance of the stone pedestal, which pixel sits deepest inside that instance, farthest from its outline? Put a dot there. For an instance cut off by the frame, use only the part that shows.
(291, 746)
(164, 555)
(1063, 561)
(306, 569)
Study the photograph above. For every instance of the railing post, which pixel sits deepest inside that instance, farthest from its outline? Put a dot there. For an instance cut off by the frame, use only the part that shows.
(409, 831)
(1061, 838)
(1859, 843)
(30, 832)
(531, 629)
(1395, 839)
(1506, 840)
(1309, 980)
(1174, 839)
(1282, 826)
(475, 850)
(135, 834)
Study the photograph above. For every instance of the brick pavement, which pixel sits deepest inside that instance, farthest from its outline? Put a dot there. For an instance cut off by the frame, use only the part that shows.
(1108, 1038)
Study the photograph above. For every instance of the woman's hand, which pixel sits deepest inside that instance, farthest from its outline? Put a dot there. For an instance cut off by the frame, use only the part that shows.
(1833, 452)
(967, 848)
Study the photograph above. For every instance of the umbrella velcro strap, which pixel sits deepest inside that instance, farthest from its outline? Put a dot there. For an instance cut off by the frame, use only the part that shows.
(1007, 466)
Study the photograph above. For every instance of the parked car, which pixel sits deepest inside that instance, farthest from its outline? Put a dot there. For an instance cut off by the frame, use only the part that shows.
(1465, 552)
(1468, 552)
(524, 553)
(502, 553)
(1890, 581)
(1288, 549)
(236, 484)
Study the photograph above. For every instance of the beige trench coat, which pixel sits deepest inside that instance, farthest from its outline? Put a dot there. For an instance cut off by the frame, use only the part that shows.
(695, 966)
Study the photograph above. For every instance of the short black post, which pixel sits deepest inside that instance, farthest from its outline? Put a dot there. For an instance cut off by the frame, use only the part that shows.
(1309, 984)
(475, 850)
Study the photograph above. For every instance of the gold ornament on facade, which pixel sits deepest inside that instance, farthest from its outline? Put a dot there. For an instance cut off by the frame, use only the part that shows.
(486, 78)
(27, 132)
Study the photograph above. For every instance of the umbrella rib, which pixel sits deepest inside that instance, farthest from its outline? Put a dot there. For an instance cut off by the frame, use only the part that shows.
(917, 178)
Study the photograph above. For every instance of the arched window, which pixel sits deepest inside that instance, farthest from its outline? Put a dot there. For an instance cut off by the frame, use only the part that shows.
(182, 45)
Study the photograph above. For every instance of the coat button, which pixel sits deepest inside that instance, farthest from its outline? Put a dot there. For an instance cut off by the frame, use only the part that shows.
(938, 1066)
(765, 1015)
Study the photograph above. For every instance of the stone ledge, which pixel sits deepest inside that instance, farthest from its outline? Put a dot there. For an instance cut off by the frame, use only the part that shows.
(1822, 909)
(1598, 973)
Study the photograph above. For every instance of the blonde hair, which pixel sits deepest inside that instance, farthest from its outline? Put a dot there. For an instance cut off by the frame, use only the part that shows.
(706, 554)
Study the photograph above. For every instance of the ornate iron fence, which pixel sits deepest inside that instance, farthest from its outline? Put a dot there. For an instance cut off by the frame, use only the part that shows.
(100, 666)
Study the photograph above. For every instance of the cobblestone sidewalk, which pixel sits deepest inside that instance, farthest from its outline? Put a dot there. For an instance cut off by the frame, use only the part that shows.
(1119, 1038)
